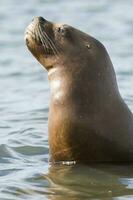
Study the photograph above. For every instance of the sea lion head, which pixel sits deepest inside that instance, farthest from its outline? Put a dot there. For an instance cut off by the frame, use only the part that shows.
(54, 44)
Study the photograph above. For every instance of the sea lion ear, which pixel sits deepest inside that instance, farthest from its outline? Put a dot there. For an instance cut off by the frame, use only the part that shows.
(88, 46)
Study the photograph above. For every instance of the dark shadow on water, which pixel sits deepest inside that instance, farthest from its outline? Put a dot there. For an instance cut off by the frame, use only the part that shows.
(102, 181)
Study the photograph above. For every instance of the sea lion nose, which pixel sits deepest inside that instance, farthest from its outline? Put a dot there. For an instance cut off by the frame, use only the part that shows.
(39, 20)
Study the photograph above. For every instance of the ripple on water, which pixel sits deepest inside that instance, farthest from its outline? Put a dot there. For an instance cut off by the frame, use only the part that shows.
(5, 151)
(31, 150)
(24, 102)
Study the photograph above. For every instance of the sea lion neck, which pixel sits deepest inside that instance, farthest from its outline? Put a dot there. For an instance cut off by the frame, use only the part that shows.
(59, 71)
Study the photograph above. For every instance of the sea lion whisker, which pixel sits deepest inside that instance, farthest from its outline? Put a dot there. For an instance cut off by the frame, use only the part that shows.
(51, 42)
(36, 39)
(45, 36)
(43, 42)
(51, 46)
(45, 46)
(42, 36)
(37, 34)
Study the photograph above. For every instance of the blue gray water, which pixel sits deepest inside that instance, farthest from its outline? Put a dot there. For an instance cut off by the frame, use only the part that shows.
(24, 99)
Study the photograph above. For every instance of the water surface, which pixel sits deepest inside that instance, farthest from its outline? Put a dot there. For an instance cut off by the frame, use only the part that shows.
(24, 99)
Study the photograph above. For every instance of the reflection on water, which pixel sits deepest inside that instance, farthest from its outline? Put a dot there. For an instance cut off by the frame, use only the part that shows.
(24, 100)
(95, 181)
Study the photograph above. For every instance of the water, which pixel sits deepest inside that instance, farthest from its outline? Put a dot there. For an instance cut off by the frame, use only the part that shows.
(24, 98)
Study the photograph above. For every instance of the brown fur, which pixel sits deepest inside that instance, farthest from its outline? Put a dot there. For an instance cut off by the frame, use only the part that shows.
(88, 119)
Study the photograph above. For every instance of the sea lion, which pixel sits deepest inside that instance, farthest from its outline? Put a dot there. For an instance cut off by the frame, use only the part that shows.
(88, 119)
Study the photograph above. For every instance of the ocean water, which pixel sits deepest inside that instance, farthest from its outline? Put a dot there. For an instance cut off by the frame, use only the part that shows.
(24, 101)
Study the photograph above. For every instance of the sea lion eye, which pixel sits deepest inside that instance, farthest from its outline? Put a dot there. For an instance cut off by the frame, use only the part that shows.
(61, 30)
